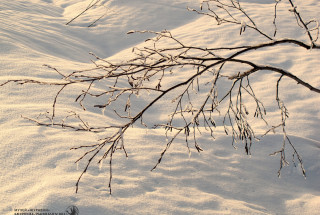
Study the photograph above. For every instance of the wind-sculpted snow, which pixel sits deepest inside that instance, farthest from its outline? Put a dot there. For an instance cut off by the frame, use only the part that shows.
(38, 169)
(40, 25)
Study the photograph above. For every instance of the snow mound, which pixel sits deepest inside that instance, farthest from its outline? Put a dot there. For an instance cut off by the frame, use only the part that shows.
(38, 169)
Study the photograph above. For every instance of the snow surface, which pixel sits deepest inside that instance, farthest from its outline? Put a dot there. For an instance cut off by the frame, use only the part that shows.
(37, 167)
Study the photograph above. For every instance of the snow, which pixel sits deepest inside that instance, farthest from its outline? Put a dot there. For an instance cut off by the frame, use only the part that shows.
(38, 170)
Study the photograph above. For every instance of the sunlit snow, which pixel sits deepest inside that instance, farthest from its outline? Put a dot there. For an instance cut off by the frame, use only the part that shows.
(38, 170)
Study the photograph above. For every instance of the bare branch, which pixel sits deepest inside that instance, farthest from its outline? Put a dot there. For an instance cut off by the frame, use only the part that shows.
(196, 100)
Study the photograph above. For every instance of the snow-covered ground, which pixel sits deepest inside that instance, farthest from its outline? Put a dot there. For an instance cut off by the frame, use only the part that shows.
(37, 167)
